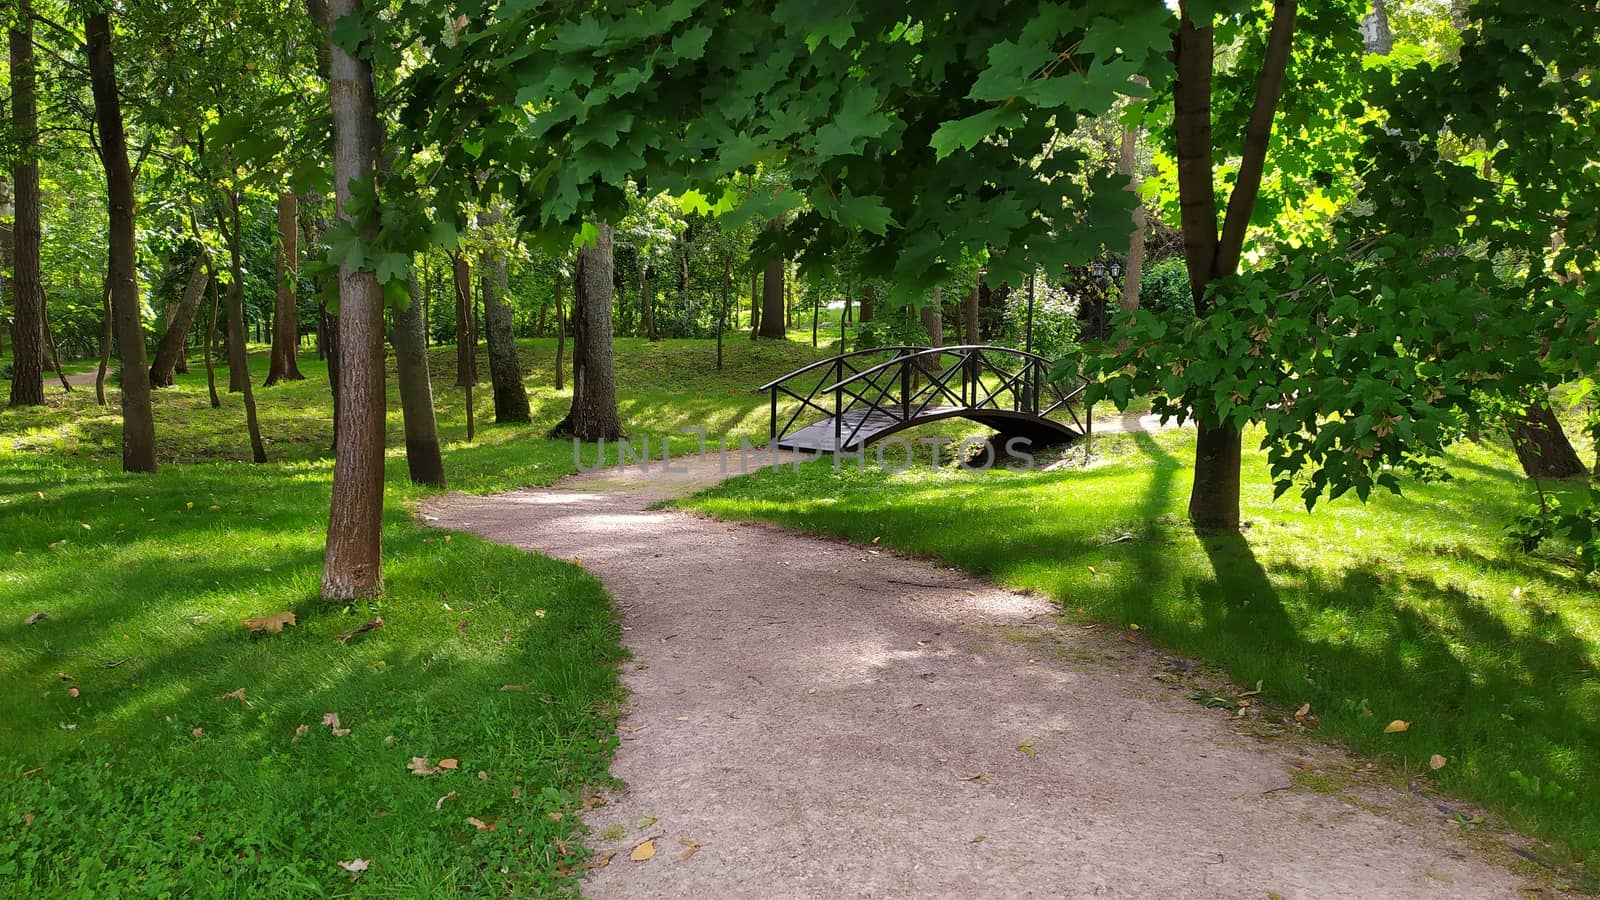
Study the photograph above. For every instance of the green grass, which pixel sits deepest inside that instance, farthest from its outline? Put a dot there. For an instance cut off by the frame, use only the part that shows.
(147, 581)
(1410, 607)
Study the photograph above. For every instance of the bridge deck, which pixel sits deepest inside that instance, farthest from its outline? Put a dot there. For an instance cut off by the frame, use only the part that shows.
(818, 437)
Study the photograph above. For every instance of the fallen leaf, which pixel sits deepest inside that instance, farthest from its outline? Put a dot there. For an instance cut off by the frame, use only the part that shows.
(198, 733)
(27, 819)
(644, 851)
(482, 775)
(1303, 711)
(555, 816)
(479, 824)
(516, 792)
(1437, 762)
(646, 821)
(235, 695)
(65, 677)
(419, 766)
(1397, 726)
(355, 867)
(539, 613)
(332, 721)
(451, 764)
(601, 861)
(690, 848)
(373, 625)
(1253, 692)
(272, 624)
(35, 619)
(1025, 748)
(72, 691)
(513, 687)
(439, 804)
(463, 625)
(299, 733)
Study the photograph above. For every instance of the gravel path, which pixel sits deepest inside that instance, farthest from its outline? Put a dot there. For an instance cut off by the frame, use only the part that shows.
(810, 718)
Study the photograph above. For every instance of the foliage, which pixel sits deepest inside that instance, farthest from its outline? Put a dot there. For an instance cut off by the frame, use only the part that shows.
(1407, 607)
(1164, 290)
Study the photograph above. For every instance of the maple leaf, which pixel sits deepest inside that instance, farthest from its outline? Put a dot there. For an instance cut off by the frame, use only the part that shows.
(644, 851)
(272, 624)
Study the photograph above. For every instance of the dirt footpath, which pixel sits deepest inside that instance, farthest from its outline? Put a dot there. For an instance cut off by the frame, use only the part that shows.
(810, 718)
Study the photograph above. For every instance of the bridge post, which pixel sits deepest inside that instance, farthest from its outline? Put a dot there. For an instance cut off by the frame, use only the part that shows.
(772, 429)
(905, 387)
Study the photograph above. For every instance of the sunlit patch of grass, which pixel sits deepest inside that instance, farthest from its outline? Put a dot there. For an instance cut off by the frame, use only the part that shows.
(1412, 607)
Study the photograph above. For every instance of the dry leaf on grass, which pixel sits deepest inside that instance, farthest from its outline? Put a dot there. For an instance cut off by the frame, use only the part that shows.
(373, 625)
(332, 721)
(513, 687)
(1397, 726)
(439, 804)
(272, 624)
(72, 692)
(354, 866)
(419, 766)
(35, 619)
(235, 695)
(197, 733)
(450, 764)
(690, 848)
(1437, 762)
(27, 819)
(644, 851)
(299, 733)
(480, 824)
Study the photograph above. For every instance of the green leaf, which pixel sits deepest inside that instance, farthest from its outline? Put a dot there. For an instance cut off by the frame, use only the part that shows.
(964, 134)
(868, 213)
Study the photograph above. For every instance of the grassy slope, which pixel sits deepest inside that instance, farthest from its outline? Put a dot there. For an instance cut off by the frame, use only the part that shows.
(1408, 608)
(112, 791)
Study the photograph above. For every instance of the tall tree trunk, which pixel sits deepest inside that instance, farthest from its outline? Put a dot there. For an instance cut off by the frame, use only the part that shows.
(138, 421)
(866, 310)
(647, 301)
(1128, 165)
(466, 362)
(773, 324)
(170, 350)
(238, 358)
(722, 314)
(423, 461)
(211, 336)
(755, 306)
(969, 306)
(561, 336)
(53, 352)
(505, 371)
(105, 346)
(932, 315)
(27, 336)
(816, 318)
(353, 565)
(845, 320)
(593, 415)
(1542, 446)
(284, 362)
(1375, 33)
(1214, 497)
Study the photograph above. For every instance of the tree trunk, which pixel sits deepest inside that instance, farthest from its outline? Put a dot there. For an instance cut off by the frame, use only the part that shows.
(816, 318)
(932, 315)
(773, 324)
(722, 314)
(105, 347)
(353, 565)
(755, 306)
(593, 416)
(1128, 165)
(170, 351)
(1375, 33)
(647, 301)
(865, 311)
(1214, 497)
(27, 336)
(211, 336)
(138, 422)
(1542, 446)
(969, 305)
(466, 363)
(238, 358)
(561, 336)
(845, 320)
(284, 363)
(505, 371)
(54, 352)
(416, 393)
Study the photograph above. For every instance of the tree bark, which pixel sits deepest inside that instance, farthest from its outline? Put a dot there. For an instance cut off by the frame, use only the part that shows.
(865, 311)
(1128, 165)
(561, 336)
(173, 344)
(423, 460)
(755, 306)
(1375, 33)
(647, 301)
(773, 324)
(284, 363)
(722, 314)
(816, 318)
(932, 315)
(27, 336)
(466, 363)
(505, 371)
(969, 305)
(1542, 446)
(138, 421)
(238, 358)
(105, 346)
(353, 565)
(211, 335)
(51, 349)
(593, 415)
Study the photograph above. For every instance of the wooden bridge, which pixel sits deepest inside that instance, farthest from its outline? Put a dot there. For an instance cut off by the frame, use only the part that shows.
(869, 394)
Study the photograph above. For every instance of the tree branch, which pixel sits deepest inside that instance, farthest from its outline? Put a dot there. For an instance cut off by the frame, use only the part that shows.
(1247, 185)
(1197, 198)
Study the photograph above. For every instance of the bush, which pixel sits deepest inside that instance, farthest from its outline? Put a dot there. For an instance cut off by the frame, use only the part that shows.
(1164, 289)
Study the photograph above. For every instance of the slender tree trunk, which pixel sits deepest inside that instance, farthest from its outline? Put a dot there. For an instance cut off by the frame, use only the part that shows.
(593, 415)
(773, 324)
(849, 289)
(238, 358)
(505, 371)
(27, 336)
(211, 336)
(284, 362)
(170, 351)
(969, 306)
(561, 337)
(647, 302)
(353, 566)
(423, 460)
(138, 421)
(933, 322)
(866, 309)
(1128, 165)
(722, 314)
(755, 306)
(816, 318)
(1542, 446)
(105, 346)
(466, 365)
(55, 352)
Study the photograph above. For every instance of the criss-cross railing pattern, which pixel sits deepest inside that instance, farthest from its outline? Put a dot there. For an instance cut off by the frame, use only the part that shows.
(926, 382)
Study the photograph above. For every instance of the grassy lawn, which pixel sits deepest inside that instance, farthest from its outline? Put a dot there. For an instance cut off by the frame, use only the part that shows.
(1412, 608)
(130, 765)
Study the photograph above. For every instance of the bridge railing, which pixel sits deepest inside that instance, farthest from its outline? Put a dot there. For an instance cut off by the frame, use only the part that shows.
(827, 371)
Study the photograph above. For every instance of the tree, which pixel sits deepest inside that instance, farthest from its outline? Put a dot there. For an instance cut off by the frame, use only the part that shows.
(284, 362)
(505, 370)
(423, 459)
(174, 341)
(593, 416)
(138, 420)
(353, 565)
(466, 361)
(27, 336)
(773, 315)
